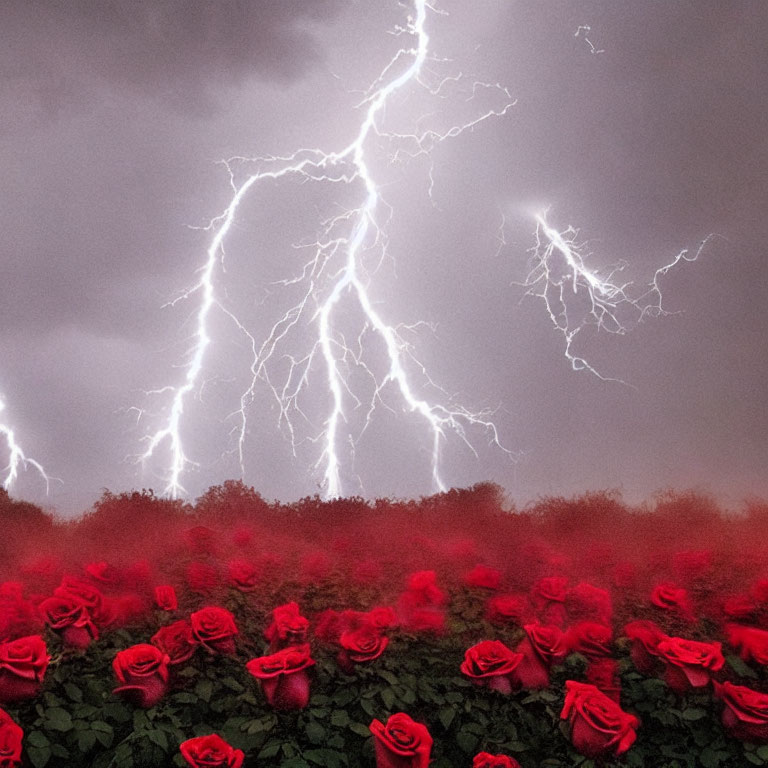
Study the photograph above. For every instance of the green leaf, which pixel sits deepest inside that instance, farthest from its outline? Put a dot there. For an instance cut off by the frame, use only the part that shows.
(85, 740)
(340, 718)
(204, 689)
(39, 756)
(232, 684)
(762, 752)
(269, 750)
(753, 758)
(467, 742)
(740, 668)
(315, 732)
(73, 692)
(446, 716)
(388, 697)
(693, 713)
(37, 739)
(360, 729)
(58, 719)
(159, 738)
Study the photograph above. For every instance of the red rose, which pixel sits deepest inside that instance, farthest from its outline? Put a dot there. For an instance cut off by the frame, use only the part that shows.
(548, 597)
(423, 589)
(102, 572)
(176, 641)
(674, 599)
(689, 662)
(288, 627)
(507, 609)
(211, 752)
(70, 618)
(143, 670)
(87, 594)
(484, 760)
(381, 617)
(18, 618)
(11, 735)
(745, 715)
(243, 575)
(751, 643)
(22, 668)
(598, 724)
(739, 607)
(645, 637)
(492, 664)
(541, 648)
(201, 577)
(585, 602)
(483, 576)
(283, 676)
(214, 628)
(360, 646)
(165, 597)
(590, 639)
(401, 743)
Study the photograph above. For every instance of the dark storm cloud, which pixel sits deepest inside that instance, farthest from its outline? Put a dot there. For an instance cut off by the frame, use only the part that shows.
(56, 53)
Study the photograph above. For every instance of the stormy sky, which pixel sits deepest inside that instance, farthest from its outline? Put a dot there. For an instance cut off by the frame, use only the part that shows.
(114, 118)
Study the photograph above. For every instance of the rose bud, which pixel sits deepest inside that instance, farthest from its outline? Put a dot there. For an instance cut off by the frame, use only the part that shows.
(211, 752)
(673, 599)
(745, 715)
(507, 609)
(67, 616)
(484, 760)
(22, 668)
(492, 664)
(243, 576)
(360, 646)
(288, 627)
(11, 736)
(689, 662)
(541, 648)
(143, 670)
(176, 641)
(483, 577)
(283, 676)
(598, 725)
(165, 597)
(214, 628)
(401, 743)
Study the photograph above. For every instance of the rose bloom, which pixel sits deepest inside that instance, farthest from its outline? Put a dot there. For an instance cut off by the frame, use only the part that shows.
(541, 648)
(485, 760)
(288, 627)
(11, 736)
(548, 597)
(590, 639)
(143, 671)
(176, 641)
(672, 598)
(645, 637)
(201, 577)
(165, 597)
(70, 618)
(507, 609)
(22, 668)
(214, 628)
(585, 602)
(102, 572)
(484, 577)
(283, 676)
(752, 643)
(492, 664)
(87, 594)
(211, 752)
(739, 607)
(401, 743)
(360, 646)
(745, 715)
(381, 617)
(243, 575)
(689, 662)
(598, 725)
(423, 590)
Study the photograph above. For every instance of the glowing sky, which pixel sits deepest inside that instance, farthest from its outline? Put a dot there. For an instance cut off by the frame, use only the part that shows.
(113, 117)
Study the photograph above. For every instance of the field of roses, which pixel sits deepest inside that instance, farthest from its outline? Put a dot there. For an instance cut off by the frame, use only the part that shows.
(448, 631)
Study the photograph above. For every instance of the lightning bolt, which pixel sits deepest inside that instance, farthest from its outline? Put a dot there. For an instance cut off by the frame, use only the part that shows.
(17, 459)
(334, 276)
(576, 296)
